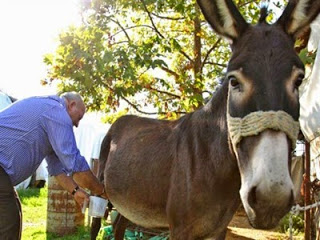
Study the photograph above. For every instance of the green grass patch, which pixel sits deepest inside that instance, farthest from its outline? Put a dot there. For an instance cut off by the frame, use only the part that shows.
(34, 215)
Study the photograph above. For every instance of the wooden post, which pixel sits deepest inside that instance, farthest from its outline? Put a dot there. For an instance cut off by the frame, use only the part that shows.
(307, 201)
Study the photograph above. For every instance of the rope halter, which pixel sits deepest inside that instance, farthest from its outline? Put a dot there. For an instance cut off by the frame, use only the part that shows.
(256, 122)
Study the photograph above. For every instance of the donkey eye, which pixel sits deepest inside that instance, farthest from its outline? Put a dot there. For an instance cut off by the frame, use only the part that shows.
(299, 80)
(233, 81)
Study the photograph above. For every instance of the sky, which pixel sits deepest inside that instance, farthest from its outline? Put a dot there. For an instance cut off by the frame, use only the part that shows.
(29, 29)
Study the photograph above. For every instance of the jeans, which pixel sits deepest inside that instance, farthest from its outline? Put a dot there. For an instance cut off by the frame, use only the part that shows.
(10, 210)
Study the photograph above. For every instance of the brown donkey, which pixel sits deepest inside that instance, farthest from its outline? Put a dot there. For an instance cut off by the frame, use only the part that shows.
(190, 175)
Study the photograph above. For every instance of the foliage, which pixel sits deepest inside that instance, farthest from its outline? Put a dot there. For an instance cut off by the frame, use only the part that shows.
(307, 57)
(297, 224)
(145, 56)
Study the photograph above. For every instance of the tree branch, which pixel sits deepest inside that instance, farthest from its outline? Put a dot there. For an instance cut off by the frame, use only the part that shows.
(148, 113)
(136, 108)
(155, 28)
(216, 64)
(128, 28)
(164, 92)
(246, 3)
(208, 53)
(150, 17)
(127, 100)
(123, 29)
(187, 56)
(167, 70)
(168, 18)
(117, 43)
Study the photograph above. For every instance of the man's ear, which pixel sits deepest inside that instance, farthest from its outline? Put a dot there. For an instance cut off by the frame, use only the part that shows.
(69, 105)
(72, 103)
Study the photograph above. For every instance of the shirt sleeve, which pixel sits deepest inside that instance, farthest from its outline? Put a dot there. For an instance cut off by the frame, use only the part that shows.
(66, 158)
(55, 167)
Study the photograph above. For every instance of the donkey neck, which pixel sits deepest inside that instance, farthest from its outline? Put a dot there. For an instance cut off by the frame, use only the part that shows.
(216, 108)
(209, 124)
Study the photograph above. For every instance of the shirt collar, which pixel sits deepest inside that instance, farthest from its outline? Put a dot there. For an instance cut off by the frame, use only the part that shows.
(59, 99)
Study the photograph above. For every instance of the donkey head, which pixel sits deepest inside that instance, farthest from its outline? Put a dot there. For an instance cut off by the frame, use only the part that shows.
(264, 74)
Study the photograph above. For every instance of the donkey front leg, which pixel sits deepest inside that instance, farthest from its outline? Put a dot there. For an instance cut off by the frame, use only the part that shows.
(119, 227)
(222, 235)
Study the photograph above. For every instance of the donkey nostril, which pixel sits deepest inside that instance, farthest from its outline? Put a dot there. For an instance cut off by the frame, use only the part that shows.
(252, 197)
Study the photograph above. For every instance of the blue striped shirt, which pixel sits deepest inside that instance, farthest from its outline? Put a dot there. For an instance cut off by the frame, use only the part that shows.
(35, 128)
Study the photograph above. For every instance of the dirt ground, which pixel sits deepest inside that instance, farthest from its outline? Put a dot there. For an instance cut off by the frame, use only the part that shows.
(240, 229)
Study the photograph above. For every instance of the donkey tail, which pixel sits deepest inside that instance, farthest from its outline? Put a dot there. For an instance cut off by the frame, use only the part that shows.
(104, 152)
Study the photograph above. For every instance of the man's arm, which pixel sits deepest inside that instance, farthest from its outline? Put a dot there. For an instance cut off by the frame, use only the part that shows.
(67, 183)
(87, 179)
(58, 125)
(66, 158)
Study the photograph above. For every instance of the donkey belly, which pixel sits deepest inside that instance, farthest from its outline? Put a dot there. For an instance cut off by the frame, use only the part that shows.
(137, 181)
(148, 218)
(137, 204)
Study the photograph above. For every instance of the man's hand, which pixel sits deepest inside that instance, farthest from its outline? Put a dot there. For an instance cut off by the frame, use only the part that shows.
(68, 184)
(89, 181)
(81, 196)
(103, 192)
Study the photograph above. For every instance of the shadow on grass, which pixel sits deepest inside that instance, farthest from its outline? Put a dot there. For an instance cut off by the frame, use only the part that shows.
(29, 192)
(32, 193)
(82, 233)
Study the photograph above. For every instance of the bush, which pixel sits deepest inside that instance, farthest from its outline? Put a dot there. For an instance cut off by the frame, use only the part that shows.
(297, 223)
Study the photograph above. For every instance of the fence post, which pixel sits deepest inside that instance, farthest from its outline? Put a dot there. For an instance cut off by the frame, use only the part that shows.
(307, 220)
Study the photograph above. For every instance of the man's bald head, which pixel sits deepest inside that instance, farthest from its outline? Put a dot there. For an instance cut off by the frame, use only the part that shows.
(75, 106)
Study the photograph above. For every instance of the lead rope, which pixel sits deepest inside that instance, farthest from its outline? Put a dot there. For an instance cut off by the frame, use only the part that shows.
(295, 211)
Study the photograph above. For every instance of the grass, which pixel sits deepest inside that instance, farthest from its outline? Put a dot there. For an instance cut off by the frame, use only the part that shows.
(34, 215)
(34, 206)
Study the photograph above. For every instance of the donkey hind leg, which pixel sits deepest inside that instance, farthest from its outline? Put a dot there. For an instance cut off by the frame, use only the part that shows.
(119, 227)
(95, 227)
(96, 223)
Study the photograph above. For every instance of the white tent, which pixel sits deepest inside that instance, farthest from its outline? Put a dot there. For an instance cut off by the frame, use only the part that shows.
(310, 104)
(309, 92)
(89, 135)
(4, 100)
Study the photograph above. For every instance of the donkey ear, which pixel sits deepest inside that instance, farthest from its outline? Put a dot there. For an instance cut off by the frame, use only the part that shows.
(298, 15)
(224, 17)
